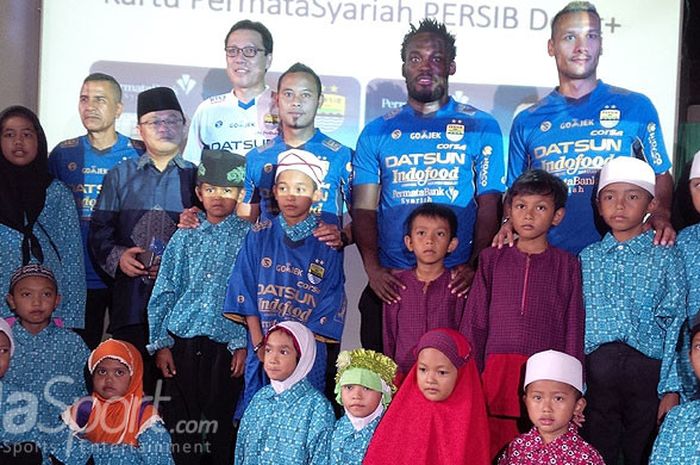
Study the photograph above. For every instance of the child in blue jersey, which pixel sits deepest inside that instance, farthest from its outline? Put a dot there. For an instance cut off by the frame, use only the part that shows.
(198, 351)
(47, 366)
(284, 273)
(288, 421)
(678, 442)
(635, 301)
(364, 386)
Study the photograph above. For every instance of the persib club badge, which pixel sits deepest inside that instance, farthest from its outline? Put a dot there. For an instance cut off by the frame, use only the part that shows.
(454, 131)
(315, 272)
(609, 117)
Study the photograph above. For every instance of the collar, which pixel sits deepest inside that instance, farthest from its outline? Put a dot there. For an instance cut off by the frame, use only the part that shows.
(291, 394)
(252, 101)
(205, 225)
(145, 160)
(358, 423)
(572, 430)
(299, 231)
(585, 98)
(637, 244)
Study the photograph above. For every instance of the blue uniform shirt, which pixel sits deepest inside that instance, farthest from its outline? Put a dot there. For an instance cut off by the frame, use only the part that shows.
(261, 167)
(634, 293)
(448, 157)
(83, 167)
(573, 138)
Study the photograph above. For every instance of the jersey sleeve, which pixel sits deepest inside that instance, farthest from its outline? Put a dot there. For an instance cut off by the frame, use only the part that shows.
(366, 162)
(491, 170)
(242, 289)
(651, 137)
(517, 150)
(193, 148)
(252, 171)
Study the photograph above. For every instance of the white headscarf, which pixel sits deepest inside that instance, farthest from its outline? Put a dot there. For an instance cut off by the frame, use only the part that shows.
(5, 328)
(307, 346)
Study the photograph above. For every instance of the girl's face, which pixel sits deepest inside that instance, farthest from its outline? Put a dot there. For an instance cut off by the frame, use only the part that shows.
(280, 356)
(359, 400)
(111, 379)
(695, 354)
(19, 141)
(4, 353)
(437, 376)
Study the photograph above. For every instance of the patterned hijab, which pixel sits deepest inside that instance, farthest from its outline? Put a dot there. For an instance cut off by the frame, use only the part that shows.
(23, 188)
(115, 421)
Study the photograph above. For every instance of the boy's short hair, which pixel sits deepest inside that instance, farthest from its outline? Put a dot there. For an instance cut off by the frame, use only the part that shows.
(32, 270)
(539, 182)
(433, 210)
(574, 7)
(95, 77)
(432, 26)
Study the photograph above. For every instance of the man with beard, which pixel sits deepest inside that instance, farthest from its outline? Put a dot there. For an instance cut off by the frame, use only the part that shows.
(432, 149)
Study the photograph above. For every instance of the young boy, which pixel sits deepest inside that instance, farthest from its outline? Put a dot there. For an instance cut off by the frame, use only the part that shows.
(284, 273)
(677, 443)
(48, 361)
(425, 300)
(553, 396)
(524, 299)
(198, 351)
(635, 304)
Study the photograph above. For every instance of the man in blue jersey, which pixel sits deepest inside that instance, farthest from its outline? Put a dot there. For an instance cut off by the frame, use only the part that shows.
(582, 124)
(432, 149)
(82, 163)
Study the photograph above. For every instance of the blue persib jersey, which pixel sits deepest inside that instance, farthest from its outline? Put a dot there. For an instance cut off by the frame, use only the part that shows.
(447, 157)
(278, 279)
(573, 139)
(82, 167)
(261, 166)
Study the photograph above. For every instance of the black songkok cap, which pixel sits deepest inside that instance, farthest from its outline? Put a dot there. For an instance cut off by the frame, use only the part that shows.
(157, 99)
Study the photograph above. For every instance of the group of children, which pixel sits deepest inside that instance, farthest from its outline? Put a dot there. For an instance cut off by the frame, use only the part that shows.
(464, 368)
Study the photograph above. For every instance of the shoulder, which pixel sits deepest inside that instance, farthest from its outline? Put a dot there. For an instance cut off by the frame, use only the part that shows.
(564, 256)
(215, 100)
(380, 124)
(687, 237)
(59, 190)
(68, 144)
(136, 144)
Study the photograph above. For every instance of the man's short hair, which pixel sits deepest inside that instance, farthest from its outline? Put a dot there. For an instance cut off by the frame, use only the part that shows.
(431, 26)
(575, 7)
(301, 68)
(433, 210)
(253, 26)
(539, 182)
(108, 78)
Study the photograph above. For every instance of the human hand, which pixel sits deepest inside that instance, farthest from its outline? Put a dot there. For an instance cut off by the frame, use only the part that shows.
(504, 235)
(188, 218)
(384, 284)
(329, 234)
(238, 362)
(668, 401)
(165, 363)
(462, 277)
(130, 264)
(664, 234)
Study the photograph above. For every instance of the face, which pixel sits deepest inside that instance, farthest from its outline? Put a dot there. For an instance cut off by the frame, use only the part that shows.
(430, 239)
(359, 400)
(20, 142)
(295, 193)
(34, 299)
(550, 406)
(219, 202)
(111, 379)
(533, 214)
(98, 106)
(695, 354)
(162, 132)
(427, 68)
(280, 356)
(298, 100)
(244, 72)
(623, 207)
(437, 376)
(576, 45)
(695, 193)
(4, 354)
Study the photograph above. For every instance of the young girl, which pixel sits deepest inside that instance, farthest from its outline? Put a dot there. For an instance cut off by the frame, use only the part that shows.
(288, 421)
(438, 416)
(364, 388)
(115, 425)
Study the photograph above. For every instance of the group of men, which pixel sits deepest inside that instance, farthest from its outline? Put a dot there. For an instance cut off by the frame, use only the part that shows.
(461, 164)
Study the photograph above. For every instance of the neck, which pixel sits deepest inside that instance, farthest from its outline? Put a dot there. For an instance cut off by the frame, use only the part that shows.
(161, 161)
(577, 88)
(297, 137)
(429, 272)
(532, 246)
(624, 236)
(103, 139)
(246, 94)
(427, 108)
(34, 328)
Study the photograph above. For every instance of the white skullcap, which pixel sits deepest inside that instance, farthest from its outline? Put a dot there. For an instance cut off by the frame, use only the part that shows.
(554, 366)
(695, 167)
(630, 170)
(306, 162)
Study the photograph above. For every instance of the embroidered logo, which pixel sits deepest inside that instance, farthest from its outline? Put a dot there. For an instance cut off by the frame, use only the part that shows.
(315, 272)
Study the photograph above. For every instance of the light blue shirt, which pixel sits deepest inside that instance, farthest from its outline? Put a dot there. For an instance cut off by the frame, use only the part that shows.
(348, 446)
(678, 442)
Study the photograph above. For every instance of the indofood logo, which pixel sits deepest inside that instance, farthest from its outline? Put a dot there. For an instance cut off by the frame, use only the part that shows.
(609, 117)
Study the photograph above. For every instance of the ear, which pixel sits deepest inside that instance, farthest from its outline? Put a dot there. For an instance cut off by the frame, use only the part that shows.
(653, 205)
(268, 61)
(10, 301)
(558, 216)
(59, 297)
(198, 192)
(138, 128)
(408, 243)
(454, 242)
(580, 406)
(120, 108)
(403, 69)
(550, 47)
(453, 68)
(320, 102)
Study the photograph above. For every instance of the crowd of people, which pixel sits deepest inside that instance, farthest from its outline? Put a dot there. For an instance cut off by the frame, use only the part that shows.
(539, 310)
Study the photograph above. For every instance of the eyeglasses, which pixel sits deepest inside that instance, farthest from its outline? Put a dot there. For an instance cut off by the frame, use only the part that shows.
(156, 123)
(248, 52)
